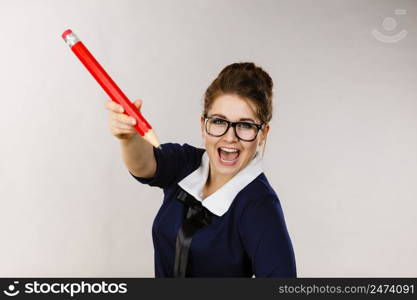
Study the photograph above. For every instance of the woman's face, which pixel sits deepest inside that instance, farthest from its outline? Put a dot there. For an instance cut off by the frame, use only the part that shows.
(228, 154)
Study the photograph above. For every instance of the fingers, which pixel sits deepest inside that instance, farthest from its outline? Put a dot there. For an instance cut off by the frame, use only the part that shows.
(115, 111)
(122, 119)
(121, 125)
(138, 103)
(113, 106)
(120, 129)
(115, 129)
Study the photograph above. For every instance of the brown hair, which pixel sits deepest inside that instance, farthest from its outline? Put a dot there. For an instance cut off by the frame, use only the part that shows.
(246, 80)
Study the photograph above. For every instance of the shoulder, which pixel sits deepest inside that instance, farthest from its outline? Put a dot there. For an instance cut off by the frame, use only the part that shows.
(175, 152)
(258, 192)
(259, 203)
(176, 148)
(180, 159)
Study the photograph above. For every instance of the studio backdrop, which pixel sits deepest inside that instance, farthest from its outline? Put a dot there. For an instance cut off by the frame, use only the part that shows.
(341, 152)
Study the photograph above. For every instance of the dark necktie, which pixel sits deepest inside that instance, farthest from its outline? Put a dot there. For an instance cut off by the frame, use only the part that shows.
(197, 217)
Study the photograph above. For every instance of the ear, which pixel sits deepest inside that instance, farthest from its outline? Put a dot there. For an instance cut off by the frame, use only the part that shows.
(264, 134)
(202, 125)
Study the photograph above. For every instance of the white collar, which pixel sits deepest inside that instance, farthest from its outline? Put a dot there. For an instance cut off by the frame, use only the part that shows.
(219, 202)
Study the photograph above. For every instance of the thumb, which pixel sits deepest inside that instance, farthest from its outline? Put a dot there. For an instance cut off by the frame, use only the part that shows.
(138, 103)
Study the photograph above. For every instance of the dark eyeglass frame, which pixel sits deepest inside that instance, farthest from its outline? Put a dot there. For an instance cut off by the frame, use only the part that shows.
(233, 124)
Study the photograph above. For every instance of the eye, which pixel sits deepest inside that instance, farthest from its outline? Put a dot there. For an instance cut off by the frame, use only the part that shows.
(244, 125)
(217, 121)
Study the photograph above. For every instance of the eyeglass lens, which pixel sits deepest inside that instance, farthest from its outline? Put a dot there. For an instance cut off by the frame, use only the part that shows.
(244, 131)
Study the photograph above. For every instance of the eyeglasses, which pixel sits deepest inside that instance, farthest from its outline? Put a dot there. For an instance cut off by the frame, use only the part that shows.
(244, 131)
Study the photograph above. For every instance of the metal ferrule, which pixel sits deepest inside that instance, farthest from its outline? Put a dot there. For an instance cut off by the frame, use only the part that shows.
(71, 39)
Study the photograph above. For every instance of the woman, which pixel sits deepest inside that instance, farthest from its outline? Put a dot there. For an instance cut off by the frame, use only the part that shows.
(219, 217)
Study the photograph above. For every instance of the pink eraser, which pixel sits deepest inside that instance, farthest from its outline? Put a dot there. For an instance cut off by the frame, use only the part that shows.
(66, 32)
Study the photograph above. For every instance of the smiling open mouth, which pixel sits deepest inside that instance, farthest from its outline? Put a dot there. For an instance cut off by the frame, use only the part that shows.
(228, 155)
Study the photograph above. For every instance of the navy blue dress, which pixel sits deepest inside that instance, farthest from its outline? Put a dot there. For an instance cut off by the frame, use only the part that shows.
(248, 238)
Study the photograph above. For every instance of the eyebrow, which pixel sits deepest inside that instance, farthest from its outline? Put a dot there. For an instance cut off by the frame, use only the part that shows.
(224, 117)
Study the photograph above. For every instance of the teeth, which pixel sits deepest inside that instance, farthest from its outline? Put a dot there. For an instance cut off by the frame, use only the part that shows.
(227, 161)
(228, 150)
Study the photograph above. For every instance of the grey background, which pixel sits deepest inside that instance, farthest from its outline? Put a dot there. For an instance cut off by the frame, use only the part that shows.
(341, 152)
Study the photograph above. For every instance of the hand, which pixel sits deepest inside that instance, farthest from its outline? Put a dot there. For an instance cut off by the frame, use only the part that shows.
(120, 124)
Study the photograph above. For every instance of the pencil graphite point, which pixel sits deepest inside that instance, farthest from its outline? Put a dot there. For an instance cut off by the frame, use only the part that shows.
(151, 137)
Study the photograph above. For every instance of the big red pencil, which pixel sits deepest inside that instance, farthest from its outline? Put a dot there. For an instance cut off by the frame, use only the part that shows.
(109, 86)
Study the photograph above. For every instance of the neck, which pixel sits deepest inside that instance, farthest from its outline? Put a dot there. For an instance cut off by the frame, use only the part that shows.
(215, 181)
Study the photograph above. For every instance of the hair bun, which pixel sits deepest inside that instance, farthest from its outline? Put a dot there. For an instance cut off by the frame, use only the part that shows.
(246, 80)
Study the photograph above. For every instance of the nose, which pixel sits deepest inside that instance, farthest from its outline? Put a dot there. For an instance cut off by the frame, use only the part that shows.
(230, 135)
